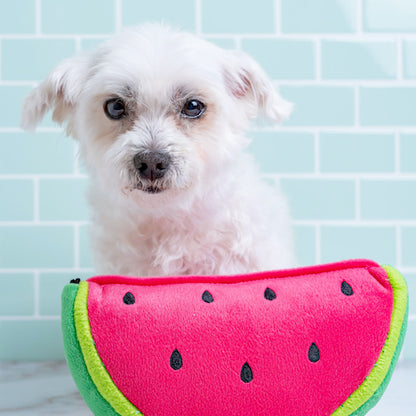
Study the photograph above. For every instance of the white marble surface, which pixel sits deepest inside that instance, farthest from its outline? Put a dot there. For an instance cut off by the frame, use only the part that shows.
(46, 388)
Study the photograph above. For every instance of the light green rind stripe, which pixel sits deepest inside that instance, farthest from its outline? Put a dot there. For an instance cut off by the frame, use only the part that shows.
(365, 408)
(75, 359)
(369, 391)
(96, 369)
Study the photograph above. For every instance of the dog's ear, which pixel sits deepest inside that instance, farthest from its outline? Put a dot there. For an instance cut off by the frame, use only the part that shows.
(246, 81)
(59, 92)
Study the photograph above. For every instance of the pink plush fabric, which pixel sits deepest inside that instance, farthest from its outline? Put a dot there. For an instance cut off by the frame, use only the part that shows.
(239, 326)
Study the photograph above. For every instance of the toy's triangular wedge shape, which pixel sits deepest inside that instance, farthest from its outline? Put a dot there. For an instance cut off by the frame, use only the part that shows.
(322, 340)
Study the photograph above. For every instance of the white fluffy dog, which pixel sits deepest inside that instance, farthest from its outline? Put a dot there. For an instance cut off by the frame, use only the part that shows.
(160, 117)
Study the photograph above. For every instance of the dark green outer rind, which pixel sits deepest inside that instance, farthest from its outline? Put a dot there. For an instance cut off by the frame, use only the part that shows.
(369, 404)
(100, 406)
(75, 359)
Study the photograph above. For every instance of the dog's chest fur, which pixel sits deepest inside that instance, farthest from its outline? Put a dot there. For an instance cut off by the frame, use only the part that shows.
(174, 245)
(213, 235)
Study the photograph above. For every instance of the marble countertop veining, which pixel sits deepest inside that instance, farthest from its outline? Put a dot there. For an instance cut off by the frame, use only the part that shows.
(39, 389)
(47, 388)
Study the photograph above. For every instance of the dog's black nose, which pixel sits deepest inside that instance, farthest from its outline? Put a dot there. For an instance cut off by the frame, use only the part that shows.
(151, 165)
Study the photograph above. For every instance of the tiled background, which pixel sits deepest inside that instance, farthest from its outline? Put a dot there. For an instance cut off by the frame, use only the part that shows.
(346, 158)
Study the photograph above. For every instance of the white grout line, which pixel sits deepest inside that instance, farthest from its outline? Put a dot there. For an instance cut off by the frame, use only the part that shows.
(36, 294)
(56, 36)
(357, 200)
(198, 17)
(43, 176)
(317, 244)
(24, 318)
(340, 82)
(317, 159)
(318, 60)
(399, 59)
(238, 40)
(75, 158)
(357, 106)
(404, 269)
(47, 270)
(359, 18)
(78, 47)
(397, 166)
(340, 37)
(38, 130)
(35, 200)
(355, 223)
(334, 129)
(382, 176)
(278, 17)
(38, 223)
(76, 246)
(398, 246)
(17, 83)
(118, 15)
(38, 17)
(1, 54)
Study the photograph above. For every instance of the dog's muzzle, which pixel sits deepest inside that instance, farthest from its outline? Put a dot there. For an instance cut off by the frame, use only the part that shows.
(151, 165)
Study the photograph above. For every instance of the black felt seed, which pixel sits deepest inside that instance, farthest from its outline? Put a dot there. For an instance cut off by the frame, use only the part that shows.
(176, 360)
(346, 289)
(313, 353)
(129, 298)
(269, 294)
(75, 281)
(207, 297)
(246, 374)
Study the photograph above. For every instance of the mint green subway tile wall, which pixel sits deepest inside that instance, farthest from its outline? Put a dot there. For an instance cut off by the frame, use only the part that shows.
(17, 283)
(32, 59)
(12, 20)
(318, 16)
(284, 59)
(387, 106)
(17, 200)
(389, 16)
(178, 13)
(63, 199)
(346, 158)
(407, 152)
(356, 152)
(234, 16)
(36, 246)
(47, 153)
(377, 243)
(409, 58)
(283, 152)
(366, 60)
(77, 16)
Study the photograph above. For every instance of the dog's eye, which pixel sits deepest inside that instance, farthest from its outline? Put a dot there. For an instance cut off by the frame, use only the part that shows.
(193, 109)
(115, 108)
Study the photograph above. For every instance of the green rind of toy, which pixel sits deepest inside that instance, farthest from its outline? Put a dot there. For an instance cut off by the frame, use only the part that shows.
(75, 357)
(105, 391)
(373, 387)
(104, 398)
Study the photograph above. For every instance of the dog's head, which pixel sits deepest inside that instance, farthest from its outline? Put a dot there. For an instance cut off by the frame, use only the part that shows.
(155, 110)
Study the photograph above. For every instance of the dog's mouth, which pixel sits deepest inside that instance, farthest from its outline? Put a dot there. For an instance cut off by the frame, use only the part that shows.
(152, 189)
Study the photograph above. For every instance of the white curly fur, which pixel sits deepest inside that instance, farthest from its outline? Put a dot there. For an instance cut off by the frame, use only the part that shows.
(213, 214)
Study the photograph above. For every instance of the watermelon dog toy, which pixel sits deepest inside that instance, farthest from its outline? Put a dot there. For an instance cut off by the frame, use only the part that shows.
(322, 340)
